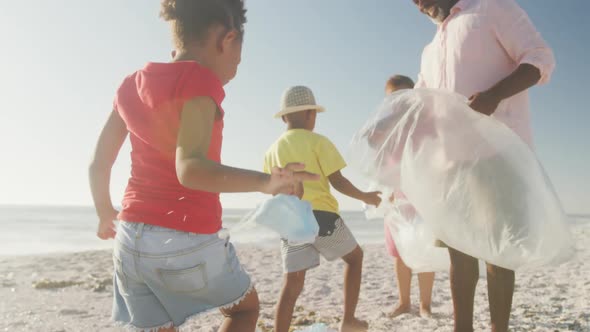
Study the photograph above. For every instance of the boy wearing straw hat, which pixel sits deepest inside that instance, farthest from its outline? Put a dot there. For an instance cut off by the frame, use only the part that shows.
(320, 156)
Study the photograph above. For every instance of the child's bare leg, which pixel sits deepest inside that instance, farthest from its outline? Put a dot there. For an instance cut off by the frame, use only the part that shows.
(292, 287)
(500, 291)
(404, 284)
(243, 316)
(352, 285)
(426, 281)
(464, 277)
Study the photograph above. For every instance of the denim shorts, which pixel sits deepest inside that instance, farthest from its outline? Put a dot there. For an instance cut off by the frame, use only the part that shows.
(162, 276)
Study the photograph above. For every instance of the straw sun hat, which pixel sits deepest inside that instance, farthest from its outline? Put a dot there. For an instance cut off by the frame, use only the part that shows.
(297, 99)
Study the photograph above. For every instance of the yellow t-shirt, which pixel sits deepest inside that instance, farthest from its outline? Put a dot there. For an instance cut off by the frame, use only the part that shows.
(319, 155)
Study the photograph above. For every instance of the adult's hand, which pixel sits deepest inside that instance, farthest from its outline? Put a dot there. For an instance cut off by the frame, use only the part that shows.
(522, 78)
(484, 103)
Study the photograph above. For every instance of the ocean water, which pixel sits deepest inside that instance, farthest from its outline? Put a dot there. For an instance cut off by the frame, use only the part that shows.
(28, 230)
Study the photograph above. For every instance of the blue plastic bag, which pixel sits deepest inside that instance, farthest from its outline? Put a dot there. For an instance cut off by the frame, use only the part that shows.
(286, 215)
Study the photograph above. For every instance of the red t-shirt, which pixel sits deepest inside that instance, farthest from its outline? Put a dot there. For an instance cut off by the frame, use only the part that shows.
(150, 102)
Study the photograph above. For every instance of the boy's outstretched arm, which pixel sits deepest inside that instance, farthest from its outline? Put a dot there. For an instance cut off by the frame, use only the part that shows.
(195, 171)
(109, 143)
(344, 186)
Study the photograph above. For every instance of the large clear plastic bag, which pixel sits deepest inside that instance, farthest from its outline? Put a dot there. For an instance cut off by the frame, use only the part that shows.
(479, 188)
(415, 243)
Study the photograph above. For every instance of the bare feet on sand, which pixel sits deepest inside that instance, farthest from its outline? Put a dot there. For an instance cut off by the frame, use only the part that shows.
(400, 310)
(355, 325)
(425, 312)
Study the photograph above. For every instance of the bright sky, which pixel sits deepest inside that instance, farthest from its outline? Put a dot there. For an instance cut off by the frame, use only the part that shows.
(61, 62)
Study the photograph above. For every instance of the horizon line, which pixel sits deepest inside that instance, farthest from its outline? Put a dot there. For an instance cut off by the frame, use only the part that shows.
(24, 205)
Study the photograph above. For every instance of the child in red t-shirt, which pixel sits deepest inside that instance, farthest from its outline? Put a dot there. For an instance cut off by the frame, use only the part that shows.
(170, 260)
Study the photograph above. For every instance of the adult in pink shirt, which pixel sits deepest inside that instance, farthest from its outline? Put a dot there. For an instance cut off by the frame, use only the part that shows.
(490, 52)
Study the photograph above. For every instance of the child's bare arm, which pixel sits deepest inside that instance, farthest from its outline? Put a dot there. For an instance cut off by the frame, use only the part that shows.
(196, 171)
(344, 186)
(109, 143)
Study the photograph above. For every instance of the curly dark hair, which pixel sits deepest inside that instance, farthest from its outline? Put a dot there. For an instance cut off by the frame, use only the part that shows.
(400, 81)
(192, 19)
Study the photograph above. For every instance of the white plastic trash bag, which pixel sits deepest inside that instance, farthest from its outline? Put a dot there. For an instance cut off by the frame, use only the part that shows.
(287, 216)
(414, 241)
(479, 188)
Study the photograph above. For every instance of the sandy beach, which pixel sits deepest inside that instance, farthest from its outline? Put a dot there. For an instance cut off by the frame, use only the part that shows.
(72, 292)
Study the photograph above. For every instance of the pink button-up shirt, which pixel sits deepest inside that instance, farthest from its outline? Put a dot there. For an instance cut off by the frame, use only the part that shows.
(478, 45)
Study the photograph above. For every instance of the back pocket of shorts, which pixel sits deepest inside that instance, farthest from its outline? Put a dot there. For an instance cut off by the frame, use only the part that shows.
(188, 280)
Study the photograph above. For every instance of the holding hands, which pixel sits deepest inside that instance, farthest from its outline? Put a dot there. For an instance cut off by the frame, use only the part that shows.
(288, 180)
